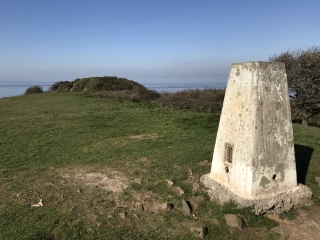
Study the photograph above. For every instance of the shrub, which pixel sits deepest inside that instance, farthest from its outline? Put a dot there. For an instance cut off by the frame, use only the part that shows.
(33, 90)
(303, 74)
(315, 120)
(62, 86)
(136, 96)
(207, 100)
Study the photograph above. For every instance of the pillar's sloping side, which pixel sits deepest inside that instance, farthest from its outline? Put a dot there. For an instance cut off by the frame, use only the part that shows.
(254, 149)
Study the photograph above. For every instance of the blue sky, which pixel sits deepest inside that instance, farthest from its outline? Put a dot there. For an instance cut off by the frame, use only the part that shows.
(52, 40)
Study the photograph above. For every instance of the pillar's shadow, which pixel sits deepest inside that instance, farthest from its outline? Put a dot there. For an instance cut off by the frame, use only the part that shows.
(303, 156)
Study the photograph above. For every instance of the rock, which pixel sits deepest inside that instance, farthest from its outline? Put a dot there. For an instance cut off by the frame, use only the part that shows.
(191, 176)
(179, 191)
(137, 181)
(155, 207)
(122, 215)
(200, 232)
(186, 208)
(233, 220)
(166, 207)
(170, 183)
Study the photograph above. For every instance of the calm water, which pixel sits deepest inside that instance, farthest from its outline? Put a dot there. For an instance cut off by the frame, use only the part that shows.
(15, 88)
(175, 84)
(160, 84)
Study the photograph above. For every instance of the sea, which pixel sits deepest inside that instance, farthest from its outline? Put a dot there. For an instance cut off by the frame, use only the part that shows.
(157, 83)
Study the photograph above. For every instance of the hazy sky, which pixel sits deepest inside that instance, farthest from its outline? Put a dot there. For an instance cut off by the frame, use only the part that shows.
(51, 40)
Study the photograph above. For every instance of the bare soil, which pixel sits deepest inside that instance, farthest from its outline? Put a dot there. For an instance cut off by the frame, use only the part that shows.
(305, 226)
(109, 180)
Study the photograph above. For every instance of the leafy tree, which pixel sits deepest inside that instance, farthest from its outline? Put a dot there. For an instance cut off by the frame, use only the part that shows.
(303, 75)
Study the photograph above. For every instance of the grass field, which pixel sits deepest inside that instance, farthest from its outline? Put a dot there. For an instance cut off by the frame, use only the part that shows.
(101, 165)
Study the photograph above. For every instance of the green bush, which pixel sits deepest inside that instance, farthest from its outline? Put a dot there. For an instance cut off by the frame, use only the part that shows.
(62, 86)
(33, 90)
(303, 74)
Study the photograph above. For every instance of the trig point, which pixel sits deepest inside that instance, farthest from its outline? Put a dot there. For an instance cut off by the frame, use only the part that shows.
(253, 162)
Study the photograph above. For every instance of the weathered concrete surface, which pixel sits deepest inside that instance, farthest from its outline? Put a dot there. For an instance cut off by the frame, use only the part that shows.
(273, 203)
(254, 150)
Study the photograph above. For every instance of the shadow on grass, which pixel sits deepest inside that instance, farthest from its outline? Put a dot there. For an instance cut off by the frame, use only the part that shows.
(303, 156)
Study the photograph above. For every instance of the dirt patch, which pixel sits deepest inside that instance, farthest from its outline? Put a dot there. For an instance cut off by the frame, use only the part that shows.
(305, 226)
(145, 136)
(109, 180)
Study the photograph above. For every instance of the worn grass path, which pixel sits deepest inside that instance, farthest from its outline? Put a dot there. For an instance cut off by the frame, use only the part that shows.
(96, 161)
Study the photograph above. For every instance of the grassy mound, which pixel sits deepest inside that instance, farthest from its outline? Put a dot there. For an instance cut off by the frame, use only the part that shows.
(113, 87)
(98, 84)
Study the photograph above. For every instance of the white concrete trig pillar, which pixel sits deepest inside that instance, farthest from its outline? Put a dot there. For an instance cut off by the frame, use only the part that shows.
(253, 162)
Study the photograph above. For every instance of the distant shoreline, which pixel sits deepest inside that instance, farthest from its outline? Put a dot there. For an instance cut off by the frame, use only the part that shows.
(160, 84)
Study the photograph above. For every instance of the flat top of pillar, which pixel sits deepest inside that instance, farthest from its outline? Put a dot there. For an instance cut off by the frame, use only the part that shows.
(258, 64)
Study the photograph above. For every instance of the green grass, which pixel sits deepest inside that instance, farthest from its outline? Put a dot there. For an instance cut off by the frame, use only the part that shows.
(307, 147)
(46, 137)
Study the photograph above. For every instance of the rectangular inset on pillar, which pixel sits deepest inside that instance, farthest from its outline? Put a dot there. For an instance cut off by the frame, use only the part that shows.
(254, 150)
(228, 152)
